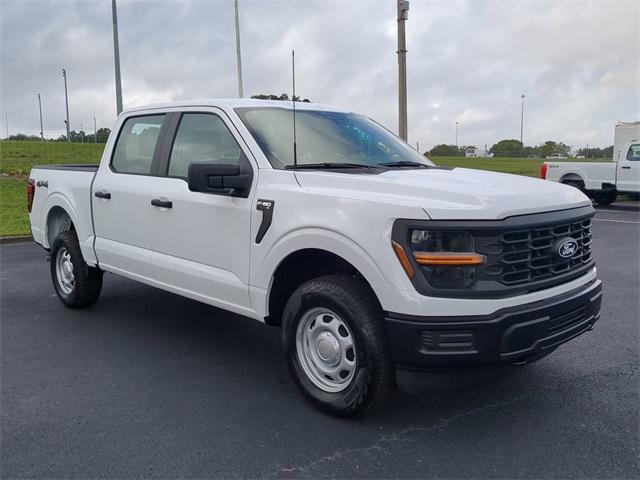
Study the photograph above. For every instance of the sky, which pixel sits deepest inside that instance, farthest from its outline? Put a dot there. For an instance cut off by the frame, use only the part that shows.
(577, 63)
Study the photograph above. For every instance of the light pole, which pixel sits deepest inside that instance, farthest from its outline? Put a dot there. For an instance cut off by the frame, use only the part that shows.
(238, 54)
(522, 119)
(456, 134)
(116, 57)
(6, 122)
(40, 109)
(95, 131)
(66, 102)
(81, 133)
(403, 15)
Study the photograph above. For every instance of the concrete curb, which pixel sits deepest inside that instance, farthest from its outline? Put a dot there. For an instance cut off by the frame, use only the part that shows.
(18, 239)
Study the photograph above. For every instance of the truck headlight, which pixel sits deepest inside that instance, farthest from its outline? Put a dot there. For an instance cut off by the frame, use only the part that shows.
(446, 258)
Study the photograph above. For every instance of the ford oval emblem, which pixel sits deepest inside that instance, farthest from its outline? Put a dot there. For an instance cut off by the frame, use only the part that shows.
(567, 248)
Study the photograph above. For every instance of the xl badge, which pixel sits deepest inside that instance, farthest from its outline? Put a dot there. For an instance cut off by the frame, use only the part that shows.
(567, 247)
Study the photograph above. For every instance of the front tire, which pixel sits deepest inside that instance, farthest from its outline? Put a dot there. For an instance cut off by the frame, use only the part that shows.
(336, 347)
(605, 198)
(76, 284)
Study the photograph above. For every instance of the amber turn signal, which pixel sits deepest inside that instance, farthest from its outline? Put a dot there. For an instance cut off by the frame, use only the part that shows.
(404, 260)
(453, 259)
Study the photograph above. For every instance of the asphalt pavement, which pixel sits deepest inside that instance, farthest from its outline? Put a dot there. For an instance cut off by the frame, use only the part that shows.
(149, 384)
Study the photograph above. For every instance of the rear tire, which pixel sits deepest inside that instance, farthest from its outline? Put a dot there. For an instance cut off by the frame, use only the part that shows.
(605, 198)
(336, 346)
(76, 284)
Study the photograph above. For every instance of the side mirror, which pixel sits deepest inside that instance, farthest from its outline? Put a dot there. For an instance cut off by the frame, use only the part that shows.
(220, 179)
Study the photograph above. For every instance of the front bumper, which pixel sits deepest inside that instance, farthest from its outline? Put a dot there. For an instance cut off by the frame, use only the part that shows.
(512, 335)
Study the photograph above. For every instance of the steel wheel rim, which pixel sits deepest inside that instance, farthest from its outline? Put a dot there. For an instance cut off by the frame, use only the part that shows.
(326, 349)
(64, 271)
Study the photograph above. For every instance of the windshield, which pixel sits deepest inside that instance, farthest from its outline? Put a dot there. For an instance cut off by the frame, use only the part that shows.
(325, 137)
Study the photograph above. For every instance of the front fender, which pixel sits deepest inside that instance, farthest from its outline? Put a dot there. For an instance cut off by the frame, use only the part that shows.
(321, 239)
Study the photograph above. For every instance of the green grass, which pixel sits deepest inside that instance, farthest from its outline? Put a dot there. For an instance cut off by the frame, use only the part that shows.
(520, 166)
(14, 219)
(17, 158)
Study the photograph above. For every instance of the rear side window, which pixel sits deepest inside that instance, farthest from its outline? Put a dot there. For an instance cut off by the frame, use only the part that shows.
(136, 144)
(202, 137)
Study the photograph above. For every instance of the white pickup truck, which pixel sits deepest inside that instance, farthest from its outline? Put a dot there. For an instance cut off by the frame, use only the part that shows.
(604, 181)
(367, 255)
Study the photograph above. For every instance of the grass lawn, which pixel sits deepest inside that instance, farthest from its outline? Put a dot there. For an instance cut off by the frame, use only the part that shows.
(14, 219)
(17, 158)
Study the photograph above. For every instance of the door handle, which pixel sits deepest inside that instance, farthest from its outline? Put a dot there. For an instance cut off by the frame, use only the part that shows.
(103, 194)
(156, 202)
(626, 168)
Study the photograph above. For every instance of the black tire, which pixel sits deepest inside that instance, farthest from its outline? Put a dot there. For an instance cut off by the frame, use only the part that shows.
(84, 289)
(605, 198)
(373, 377)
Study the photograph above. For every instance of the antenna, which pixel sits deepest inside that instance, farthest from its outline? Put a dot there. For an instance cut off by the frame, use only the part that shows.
(293, 72)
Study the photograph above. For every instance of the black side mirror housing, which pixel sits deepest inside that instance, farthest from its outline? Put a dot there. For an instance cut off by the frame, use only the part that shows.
(220, 179)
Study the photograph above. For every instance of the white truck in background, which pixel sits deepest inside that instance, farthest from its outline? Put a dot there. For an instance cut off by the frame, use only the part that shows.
(604, 181)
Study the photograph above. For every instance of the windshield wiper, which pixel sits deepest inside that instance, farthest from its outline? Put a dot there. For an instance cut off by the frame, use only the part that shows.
(404, 163)
(327, 165)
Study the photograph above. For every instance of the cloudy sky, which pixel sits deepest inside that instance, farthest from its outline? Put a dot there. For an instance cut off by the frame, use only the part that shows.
(578, 63)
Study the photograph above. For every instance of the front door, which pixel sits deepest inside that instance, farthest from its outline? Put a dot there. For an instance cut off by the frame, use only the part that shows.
(201, 241)
(629, 170)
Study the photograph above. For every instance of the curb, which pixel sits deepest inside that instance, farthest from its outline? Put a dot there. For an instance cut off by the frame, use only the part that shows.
(17, 239)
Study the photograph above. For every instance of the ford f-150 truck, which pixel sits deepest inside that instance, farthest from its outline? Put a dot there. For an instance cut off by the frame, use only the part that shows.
(367, 255)
(605, 180)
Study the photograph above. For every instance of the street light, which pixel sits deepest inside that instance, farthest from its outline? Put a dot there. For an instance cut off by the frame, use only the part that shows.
(66, 102)
(116, 57)
(456, 134)
(403, 15)
(522, 118)
(40, 108)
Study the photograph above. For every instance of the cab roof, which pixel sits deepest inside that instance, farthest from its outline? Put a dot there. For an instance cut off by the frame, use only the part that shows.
(231, 103)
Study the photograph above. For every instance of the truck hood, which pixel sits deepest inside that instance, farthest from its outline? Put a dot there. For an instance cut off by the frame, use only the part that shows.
(449, 194)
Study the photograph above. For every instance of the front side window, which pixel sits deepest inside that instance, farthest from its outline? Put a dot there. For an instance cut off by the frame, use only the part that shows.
(136, 144)
(634, 152)
(334, 137)
(202, 137)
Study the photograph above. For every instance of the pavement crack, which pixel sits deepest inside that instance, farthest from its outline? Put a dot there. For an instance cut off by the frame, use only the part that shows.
(384, 440)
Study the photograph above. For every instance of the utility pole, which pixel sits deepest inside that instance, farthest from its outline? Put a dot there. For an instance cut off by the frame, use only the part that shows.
(116, 57)
(40, 108)
(95, 131)
(81, 133)
(403, 15)
(456, 134)
(66, 102)
(522, 119)
(6, 122)
(238, 54)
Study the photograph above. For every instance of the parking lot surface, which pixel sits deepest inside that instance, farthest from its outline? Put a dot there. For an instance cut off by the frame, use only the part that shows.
(149, 384)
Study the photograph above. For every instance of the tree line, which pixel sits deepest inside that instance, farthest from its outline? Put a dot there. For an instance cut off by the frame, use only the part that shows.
(515, 148)
(74, 136)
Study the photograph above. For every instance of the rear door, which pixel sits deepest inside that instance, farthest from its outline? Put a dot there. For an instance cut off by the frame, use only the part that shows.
(121, 196)
(629, 170)
(201, 241)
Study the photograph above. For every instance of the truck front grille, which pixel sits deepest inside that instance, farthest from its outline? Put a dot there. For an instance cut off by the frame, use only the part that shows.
(528, 255)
